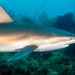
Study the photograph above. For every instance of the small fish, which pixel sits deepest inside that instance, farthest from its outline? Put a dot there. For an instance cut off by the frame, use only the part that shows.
(27, 38)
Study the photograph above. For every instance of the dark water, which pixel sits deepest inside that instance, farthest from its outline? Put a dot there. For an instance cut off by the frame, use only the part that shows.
(55, 13)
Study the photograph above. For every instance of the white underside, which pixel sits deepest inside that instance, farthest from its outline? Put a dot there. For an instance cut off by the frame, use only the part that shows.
(59, 45)
(49, 47)
(12, 47)
(44, 47)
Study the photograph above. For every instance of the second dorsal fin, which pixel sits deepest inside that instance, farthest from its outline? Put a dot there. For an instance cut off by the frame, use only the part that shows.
(4, 17)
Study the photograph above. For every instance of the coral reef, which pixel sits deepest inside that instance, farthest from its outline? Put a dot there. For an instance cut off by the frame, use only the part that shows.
(43, 19)
(66, 22)
(55, 64)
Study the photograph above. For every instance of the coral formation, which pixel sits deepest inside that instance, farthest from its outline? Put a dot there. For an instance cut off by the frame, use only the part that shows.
(66, 22)
(55, 64)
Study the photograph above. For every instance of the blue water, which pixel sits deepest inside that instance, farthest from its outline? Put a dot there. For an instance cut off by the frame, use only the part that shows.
(29, 7)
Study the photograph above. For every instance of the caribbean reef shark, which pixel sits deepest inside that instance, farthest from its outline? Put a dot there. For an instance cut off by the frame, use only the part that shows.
(27, 38)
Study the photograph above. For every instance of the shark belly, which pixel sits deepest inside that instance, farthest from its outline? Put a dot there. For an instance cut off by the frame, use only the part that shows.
(9, 47)
(49, 47)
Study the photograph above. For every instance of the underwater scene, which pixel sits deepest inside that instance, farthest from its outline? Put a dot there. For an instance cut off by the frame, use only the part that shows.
(37, 37)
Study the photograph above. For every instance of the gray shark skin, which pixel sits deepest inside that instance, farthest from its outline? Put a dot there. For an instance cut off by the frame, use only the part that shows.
(27, 38)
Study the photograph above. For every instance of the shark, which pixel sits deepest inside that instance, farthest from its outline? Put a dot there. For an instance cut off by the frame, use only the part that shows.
(25, 38)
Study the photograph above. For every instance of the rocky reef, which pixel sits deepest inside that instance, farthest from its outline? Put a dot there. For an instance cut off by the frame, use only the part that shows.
(55, 63)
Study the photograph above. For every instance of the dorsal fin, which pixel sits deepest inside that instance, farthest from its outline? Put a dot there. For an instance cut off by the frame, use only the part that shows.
(4, 17)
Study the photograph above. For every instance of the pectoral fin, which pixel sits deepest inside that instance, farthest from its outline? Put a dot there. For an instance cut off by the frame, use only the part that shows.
(26, 51)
